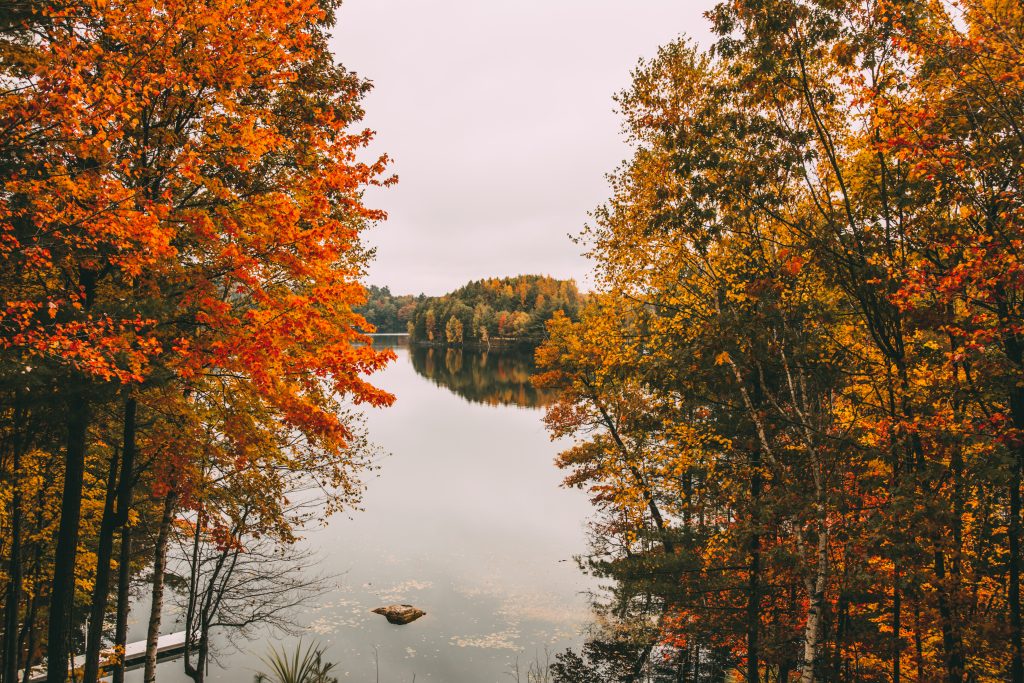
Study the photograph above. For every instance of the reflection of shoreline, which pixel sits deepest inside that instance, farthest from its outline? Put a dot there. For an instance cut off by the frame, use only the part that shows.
(385, 340)
(500, 344)
(488, 377)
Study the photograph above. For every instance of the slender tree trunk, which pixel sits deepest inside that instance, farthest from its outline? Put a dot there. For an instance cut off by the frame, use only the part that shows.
(30, 639)
(126, 483)
(815, 610)
(784, 669)
(14, 581)
(29, 628)
(897, 595)
(652, 506)
(159, 569)
(13, 598)
(111, 521)
(1014, 537)
(754, 580)
(753, 401)
(62, 591)
(837, 655)
(1014, 350)
(191, 611)
(951, 644)
(124, 577)
(199, 674)
(918, 642)
(1013, 592)
(897, 627)
(101, 586)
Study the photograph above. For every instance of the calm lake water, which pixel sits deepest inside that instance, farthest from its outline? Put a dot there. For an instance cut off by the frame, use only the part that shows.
(464, 518)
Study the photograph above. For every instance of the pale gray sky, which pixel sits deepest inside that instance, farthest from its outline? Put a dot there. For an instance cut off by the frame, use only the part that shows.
(499, 118)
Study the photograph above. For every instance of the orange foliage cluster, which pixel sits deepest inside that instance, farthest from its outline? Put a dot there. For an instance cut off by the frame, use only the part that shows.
(180, 217)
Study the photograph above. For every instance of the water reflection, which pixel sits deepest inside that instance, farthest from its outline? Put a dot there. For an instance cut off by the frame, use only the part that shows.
(625, 643)
(465, 520)
(489, 377)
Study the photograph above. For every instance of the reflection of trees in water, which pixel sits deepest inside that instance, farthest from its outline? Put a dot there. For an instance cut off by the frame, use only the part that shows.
(491, 377)
(619, 659)
(389, 341)
(453, 361)
(625, 642)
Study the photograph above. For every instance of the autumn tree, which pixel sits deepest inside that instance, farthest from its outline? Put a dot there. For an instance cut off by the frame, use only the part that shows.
(812, 260)
(182, 205)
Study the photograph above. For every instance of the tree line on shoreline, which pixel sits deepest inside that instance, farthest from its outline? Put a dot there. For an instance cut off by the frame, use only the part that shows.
(797, 397)
(488, 313)
(180, 222)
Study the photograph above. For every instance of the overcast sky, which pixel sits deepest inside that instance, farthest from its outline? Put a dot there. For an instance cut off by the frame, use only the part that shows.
(499, 117)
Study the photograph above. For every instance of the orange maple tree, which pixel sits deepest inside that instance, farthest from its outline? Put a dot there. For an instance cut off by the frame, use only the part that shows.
(182, 202)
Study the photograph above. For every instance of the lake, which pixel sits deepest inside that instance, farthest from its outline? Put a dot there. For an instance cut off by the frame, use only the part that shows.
(465, 518)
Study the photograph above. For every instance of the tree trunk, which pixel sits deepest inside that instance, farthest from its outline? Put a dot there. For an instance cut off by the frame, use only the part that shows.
(198, 672)
(784, 669)
(191, 615)
(1017, 657)
(652, 506)
(13, 599)
(837, 654)
(1014, 537)
(101, 586)
(1014, 351)
(918, 642)
(897, 594)
(952, 645)
(754, 581)
(111, 520)
(897, 606)
(159, 568)
(30, 639)
(815, 611)
(62, 590)
(34, 606)
(124, 577)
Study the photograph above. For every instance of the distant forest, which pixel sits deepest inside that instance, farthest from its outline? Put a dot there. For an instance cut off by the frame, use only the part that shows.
(509, 311)
(387, 312)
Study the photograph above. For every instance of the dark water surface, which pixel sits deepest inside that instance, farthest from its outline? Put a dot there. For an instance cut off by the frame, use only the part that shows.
(465, 519)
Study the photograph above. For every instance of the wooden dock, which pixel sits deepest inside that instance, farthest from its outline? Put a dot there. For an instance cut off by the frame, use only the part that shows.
(167, 647)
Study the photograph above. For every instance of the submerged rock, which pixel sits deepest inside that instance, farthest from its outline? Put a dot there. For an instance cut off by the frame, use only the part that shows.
(400, 614)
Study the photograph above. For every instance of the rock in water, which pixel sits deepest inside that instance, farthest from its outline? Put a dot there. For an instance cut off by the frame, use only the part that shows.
(400, 614)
